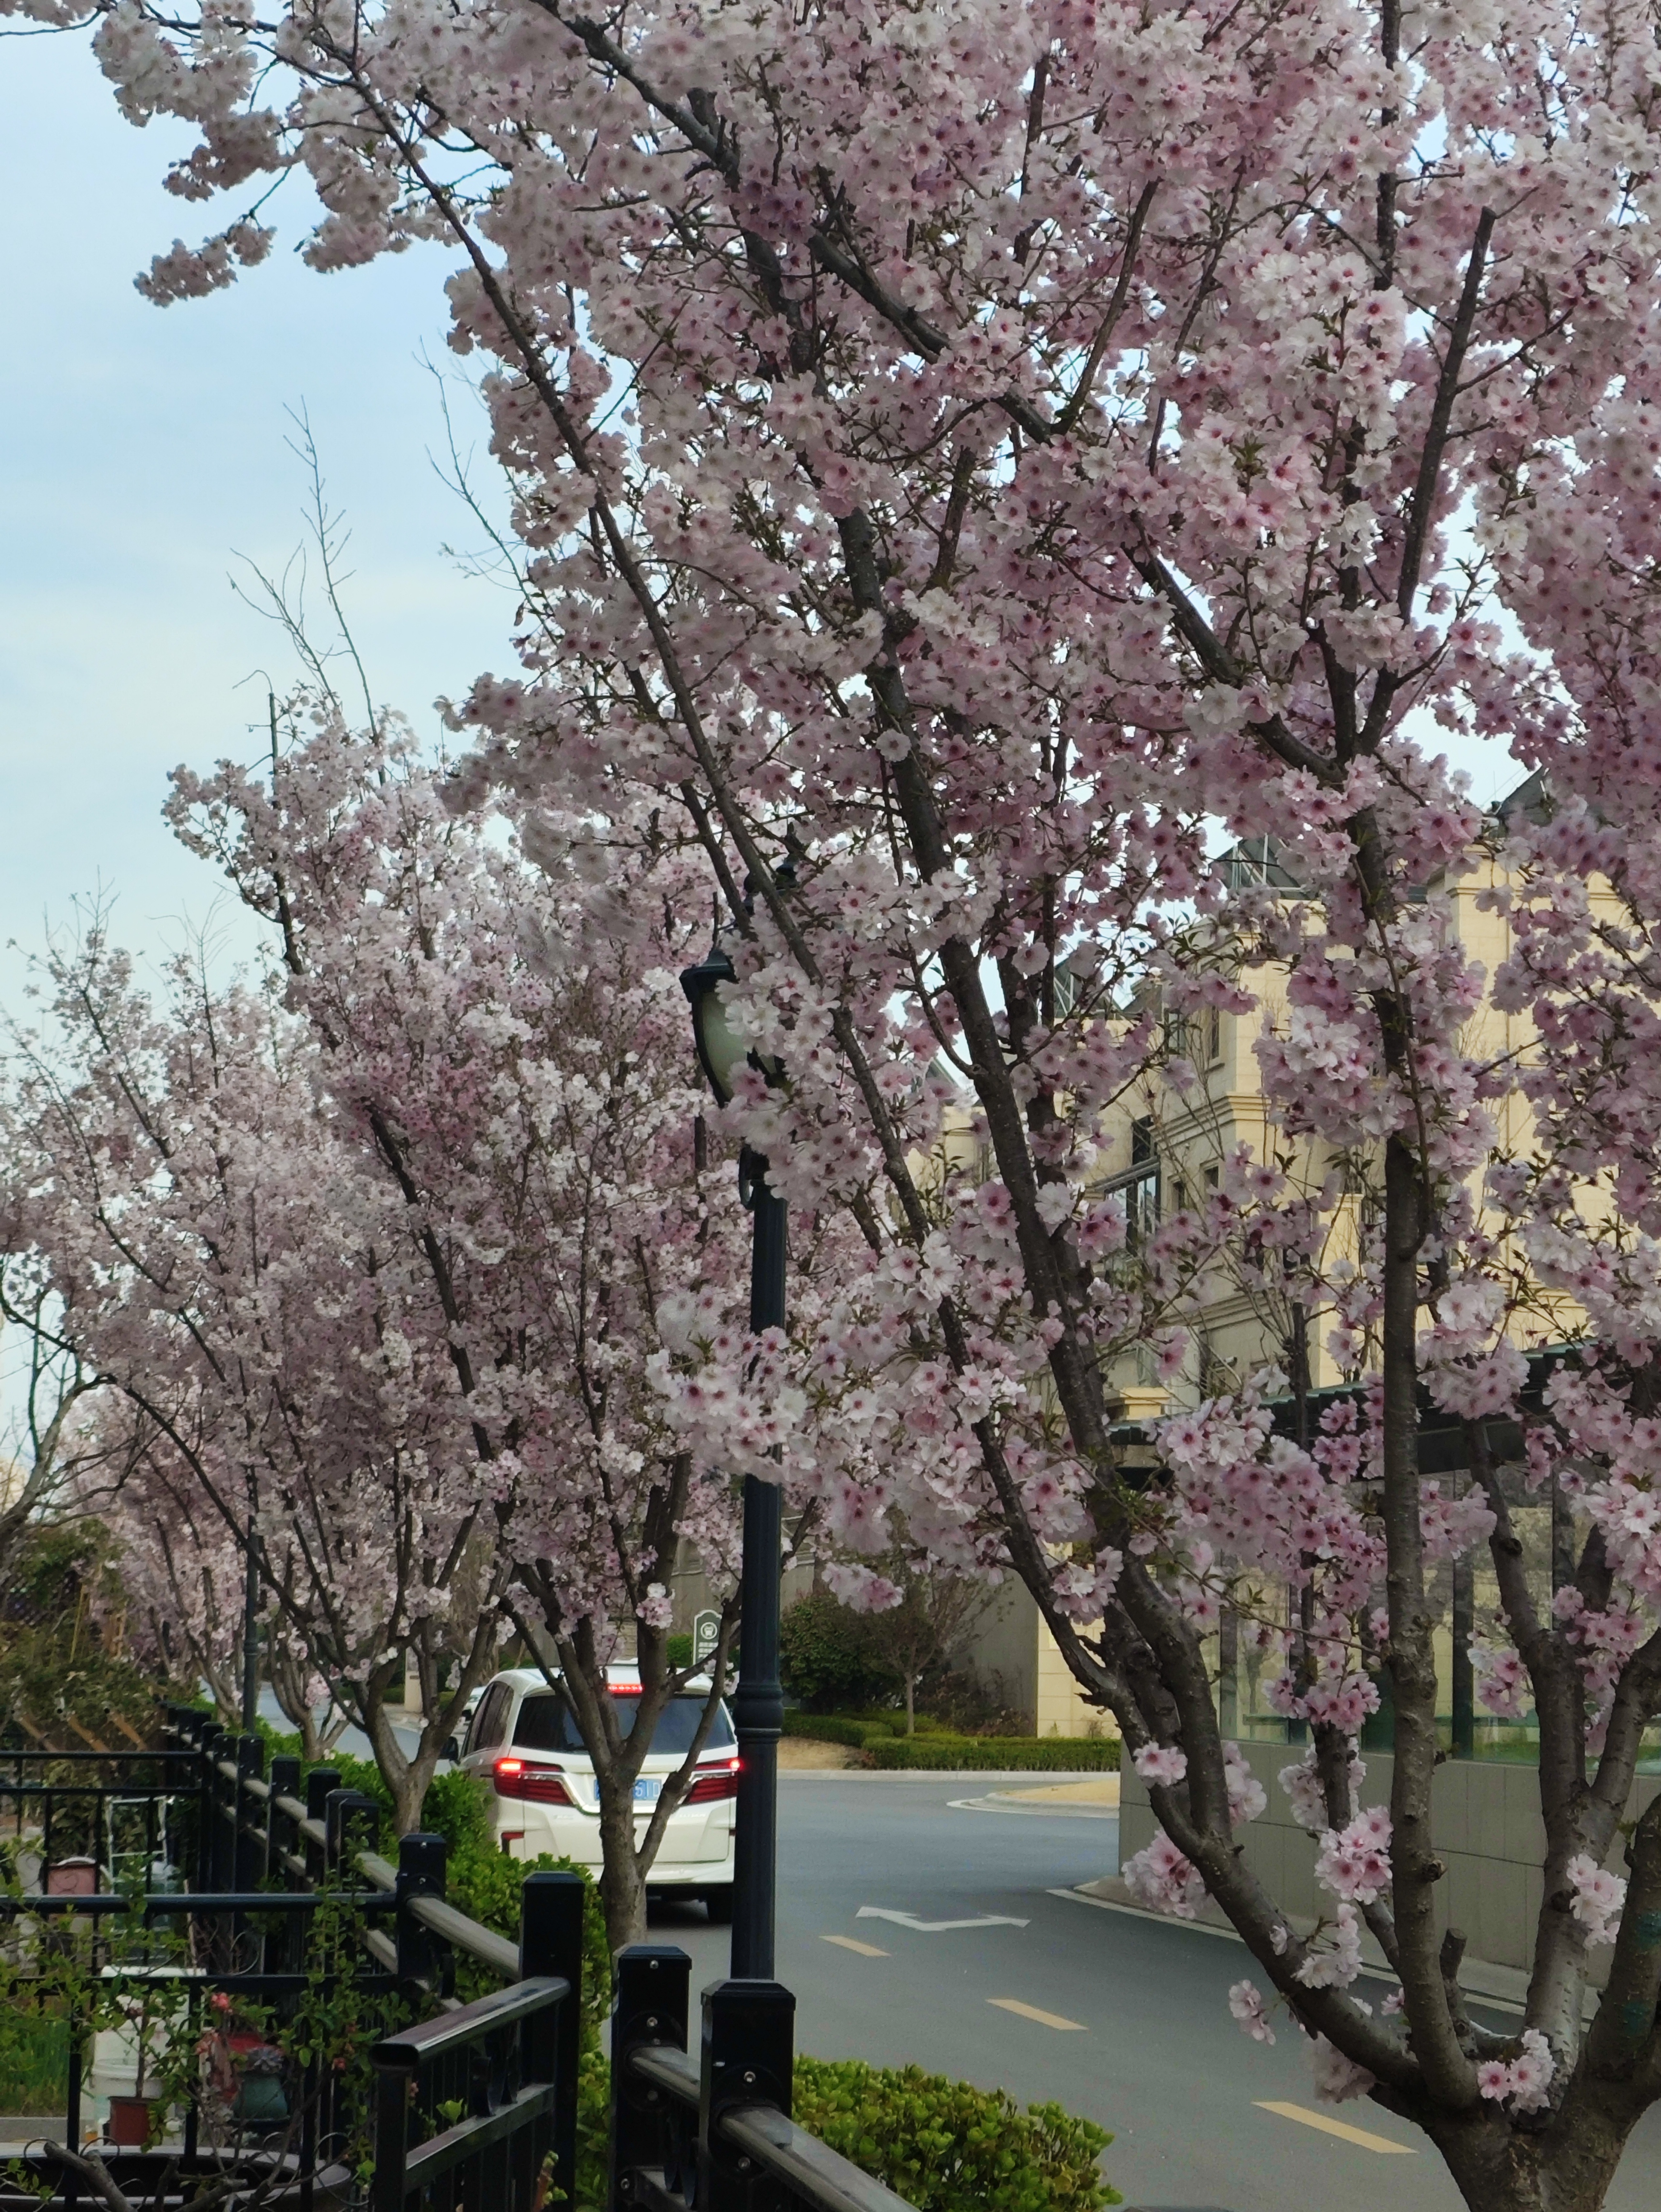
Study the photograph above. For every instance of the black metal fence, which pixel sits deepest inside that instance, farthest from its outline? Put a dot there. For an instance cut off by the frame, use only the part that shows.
(715, 2133)
(473, 2110)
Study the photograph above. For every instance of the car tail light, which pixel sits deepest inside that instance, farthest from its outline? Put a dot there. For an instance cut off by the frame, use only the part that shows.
(711, 1782)
(536, 1785)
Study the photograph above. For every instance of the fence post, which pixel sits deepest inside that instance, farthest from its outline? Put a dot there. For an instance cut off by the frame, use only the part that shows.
(320, 1785)
(279, 1843)
(248, 1869)
(421, 1957)
(209, 1844)
(748, 2057)
(550, 1942)
(279, 1825)
(352, 1824)
(652, 1984)
(391, 2095)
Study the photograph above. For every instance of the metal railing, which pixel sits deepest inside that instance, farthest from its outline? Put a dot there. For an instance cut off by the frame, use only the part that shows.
(705, 2133)
(475, 2108)
(108, 1807)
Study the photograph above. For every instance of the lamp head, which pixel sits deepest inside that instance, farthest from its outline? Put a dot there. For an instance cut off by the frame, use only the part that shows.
(720, 1052)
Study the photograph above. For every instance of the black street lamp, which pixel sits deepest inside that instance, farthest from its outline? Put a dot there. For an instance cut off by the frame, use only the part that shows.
(758, 1701)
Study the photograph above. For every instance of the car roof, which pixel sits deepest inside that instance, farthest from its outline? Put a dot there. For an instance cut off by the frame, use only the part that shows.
(623, 1676)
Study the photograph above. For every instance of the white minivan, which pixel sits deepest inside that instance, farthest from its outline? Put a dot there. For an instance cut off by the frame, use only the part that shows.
(524, 1742)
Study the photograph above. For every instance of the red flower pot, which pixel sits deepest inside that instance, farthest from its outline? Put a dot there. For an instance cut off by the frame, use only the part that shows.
(129, 2123)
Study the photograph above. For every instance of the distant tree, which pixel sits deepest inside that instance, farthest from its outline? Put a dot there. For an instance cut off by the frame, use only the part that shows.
(936, 1612)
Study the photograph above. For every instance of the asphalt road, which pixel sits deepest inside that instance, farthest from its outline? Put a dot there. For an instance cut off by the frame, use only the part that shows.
(1133, 2026)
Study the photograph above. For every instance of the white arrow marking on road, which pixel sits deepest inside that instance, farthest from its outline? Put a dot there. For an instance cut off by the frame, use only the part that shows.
(936, 1927)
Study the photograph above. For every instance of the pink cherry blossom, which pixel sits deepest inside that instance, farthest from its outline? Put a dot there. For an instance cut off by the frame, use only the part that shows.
(959, 460)
(1598, 1899)
(1245, 2002)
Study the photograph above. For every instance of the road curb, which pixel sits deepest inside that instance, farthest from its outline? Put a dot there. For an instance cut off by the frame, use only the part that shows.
(995, 1803)
(934, 1773)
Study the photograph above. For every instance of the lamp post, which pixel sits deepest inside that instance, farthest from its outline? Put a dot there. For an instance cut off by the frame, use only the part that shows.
(251, 1628)
(758, 1701)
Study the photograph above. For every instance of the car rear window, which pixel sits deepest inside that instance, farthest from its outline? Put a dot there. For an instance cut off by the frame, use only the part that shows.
(546, 1722)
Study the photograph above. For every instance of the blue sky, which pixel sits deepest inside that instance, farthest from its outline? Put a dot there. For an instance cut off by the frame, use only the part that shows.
(143, 449)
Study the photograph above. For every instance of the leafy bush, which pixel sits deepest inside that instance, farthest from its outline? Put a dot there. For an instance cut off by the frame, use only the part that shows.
(947, 2146)
(829, 1728)
(875, 1736)
(1036, 1753)
(829, 1656)
(63, 1676)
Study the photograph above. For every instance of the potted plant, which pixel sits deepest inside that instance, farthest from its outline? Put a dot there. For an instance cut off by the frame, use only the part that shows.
(130, 2121)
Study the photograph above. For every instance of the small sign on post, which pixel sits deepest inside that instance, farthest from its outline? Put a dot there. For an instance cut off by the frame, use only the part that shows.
(706, 1636)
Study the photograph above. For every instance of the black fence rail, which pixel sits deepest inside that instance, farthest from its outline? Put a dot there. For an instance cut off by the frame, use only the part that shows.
(78, 1810)
(473, 2109)
(715, 2133)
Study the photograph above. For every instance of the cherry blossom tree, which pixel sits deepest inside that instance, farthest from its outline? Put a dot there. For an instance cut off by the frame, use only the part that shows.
(435, 1281)
(57, 1463)
(503, 1026)
(184, 1574)
(963, 456)
(221, 1260)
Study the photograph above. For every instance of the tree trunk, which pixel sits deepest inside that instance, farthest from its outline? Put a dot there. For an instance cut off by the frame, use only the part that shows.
(622, 1883)
(409, 1795)
(910, 1702)
(405, 1779)
(1567, 2168)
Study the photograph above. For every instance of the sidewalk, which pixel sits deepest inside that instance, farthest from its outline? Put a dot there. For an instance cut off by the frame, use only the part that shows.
(1096, 1798)
(1505, 1987)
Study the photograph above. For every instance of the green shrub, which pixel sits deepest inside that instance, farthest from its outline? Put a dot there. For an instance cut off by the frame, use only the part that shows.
(947, 2146)
(458, 1807)
(829, 1656)
(678, 1651)
(875, 1734)
(829, 1728)
(1048, 1755)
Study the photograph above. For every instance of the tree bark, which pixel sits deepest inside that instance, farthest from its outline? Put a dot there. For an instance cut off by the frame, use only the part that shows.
(622, 1877)
(1568, 2168)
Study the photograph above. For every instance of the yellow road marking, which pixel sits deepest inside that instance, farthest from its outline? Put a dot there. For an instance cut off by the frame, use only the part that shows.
(850, 1943)
(1031, 2012)
(1341, 2129)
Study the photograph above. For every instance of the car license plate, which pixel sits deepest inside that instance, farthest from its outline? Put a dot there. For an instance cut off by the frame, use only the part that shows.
(647, 1790)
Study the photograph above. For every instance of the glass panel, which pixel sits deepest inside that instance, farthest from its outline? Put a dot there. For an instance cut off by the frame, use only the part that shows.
(546, 1722)
(491, 1719)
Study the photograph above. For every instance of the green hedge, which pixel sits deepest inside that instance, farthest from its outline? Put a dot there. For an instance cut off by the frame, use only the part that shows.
(829, 1728)
(1048, 1755)
(875, 1736)
(947, 2146)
